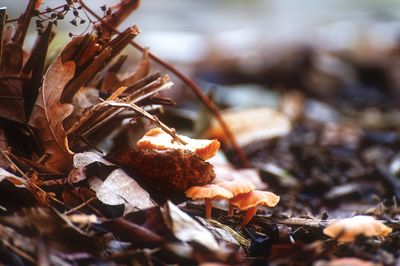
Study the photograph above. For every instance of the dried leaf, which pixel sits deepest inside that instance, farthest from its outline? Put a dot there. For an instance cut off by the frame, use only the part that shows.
(83, 159)
(164, 174)
(48, 115)
(119, 188)
(252, 125)
(348, 229)
(185, 228)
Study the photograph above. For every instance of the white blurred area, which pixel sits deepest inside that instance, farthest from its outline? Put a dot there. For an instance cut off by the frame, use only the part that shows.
(185, 31)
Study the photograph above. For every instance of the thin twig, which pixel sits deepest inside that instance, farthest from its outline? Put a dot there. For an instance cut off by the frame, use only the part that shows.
(85, 203)
(19, 252)
(190, 83)
(27, 178)
(149, 116)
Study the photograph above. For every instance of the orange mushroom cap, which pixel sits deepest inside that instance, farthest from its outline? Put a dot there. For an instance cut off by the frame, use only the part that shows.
(237, 186)
(210, 191)
(157, 139)
(253, 199)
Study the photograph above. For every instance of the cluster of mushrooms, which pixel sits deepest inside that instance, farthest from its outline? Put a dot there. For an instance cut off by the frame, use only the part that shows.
(240, 194)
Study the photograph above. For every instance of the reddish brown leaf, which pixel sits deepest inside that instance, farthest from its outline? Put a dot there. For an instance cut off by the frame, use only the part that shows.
(48, 115)
(165, 174)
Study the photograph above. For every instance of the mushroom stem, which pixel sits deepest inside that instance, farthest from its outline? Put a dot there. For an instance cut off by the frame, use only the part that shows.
(230, 211)
(208, 203)
(249, 215)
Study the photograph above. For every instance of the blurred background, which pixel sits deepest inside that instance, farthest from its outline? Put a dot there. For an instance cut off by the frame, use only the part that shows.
(343, 53)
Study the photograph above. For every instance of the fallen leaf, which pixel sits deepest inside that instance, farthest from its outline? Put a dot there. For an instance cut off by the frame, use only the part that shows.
(164, 174)
(83, 159)
(119, 188)
(158, 139)
(251, 125)
(48, 115)
(185, 228)
(346, 230)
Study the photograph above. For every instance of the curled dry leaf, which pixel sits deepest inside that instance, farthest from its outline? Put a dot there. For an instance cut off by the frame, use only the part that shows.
(346, 230)
(164, 174)
(252, 125)
(119, 188)
(48, 115)
(157, 139)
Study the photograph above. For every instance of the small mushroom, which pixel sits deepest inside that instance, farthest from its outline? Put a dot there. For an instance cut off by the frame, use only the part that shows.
(157, 139)
(236, 187)
(208, 193)
(346, 230)
(251, 200)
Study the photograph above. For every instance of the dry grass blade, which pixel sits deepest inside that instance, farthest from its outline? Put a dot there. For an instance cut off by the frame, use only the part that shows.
(101, 113)
(2, 24)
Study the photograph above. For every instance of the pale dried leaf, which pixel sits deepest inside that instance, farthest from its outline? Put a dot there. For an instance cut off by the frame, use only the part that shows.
(346, 230)
(251, 125)
(185, 228)
(119, 188)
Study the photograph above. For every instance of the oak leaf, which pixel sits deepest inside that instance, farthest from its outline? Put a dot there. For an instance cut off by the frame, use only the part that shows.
(48, 115)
